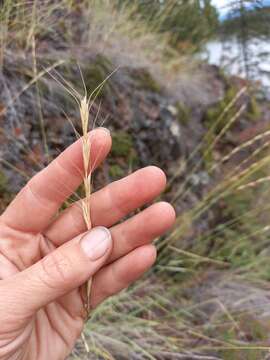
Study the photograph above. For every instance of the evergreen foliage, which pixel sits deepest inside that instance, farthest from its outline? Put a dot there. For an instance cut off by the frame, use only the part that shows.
(189, 22)
(248, 20)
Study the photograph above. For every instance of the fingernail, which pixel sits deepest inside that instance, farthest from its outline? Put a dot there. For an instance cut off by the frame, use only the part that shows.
(104, 129)
(96, 243)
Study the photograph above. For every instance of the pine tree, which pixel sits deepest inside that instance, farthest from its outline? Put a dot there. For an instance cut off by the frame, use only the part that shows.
(188, 21)
(246, 21)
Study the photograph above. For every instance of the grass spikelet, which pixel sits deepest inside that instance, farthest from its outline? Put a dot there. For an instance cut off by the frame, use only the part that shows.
(85, 104)
(87, 175)
(86, 150)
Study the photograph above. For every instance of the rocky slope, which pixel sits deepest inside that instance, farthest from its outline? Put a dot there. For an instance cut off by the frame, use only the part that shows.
(151, 125)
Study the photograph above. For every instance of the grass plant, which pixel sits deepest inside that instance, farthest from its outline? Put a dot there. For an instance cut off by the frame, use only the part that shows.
(180, 309)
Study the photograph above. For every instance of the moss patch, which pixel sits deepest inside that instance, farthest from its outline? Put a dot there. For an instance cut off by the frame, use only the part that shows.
(215, 119)
(253, 111)
(122, 144)
(3, 183)
(183, 113)
(144, 80)
(95, 73)
(124, 156)
(5, 194)
(116, 171)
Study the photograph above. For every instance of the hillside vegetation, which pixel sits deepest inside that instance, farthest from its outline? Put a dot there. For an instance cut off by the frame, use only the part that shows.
(208, 294)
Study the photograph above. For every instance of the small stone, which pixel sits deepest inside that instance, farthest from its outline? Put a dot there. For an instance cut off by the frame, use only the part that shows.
(173, 110)
(175, 129)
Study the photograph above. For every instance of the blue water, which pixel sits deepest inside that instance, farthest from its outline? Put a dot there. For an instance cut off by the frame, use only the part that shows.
(228, 56)
(224, 12)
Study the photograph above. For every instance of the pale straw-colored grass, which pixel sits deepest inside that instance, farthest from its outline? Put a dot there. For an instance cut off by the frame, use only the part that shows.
(85, 104)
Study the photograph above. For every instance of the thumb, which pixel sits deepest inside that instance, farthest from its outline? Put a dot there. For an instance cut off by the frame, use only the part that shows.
(57, 274)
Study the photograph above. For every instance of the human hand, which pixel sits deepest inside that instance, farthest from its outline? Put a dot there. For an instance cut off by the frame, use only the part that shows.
(44, 258)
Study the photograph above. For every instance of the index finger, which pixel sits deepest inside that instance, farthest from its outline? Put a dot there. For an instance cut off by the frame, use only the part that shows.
(35, 205)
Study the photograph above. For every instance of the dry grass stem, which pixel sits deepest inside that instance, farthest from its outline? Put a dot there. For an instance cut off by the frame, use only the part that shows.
(228, 108)
(85, 104)
(254, 183)
(87, 174)
(181, 193)
(244, 146)
(86, 146)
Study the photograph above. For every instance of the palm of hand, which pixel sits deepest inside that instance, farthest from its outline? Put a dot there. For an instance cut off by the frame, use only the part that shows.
(52, 331)
(41, 306)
